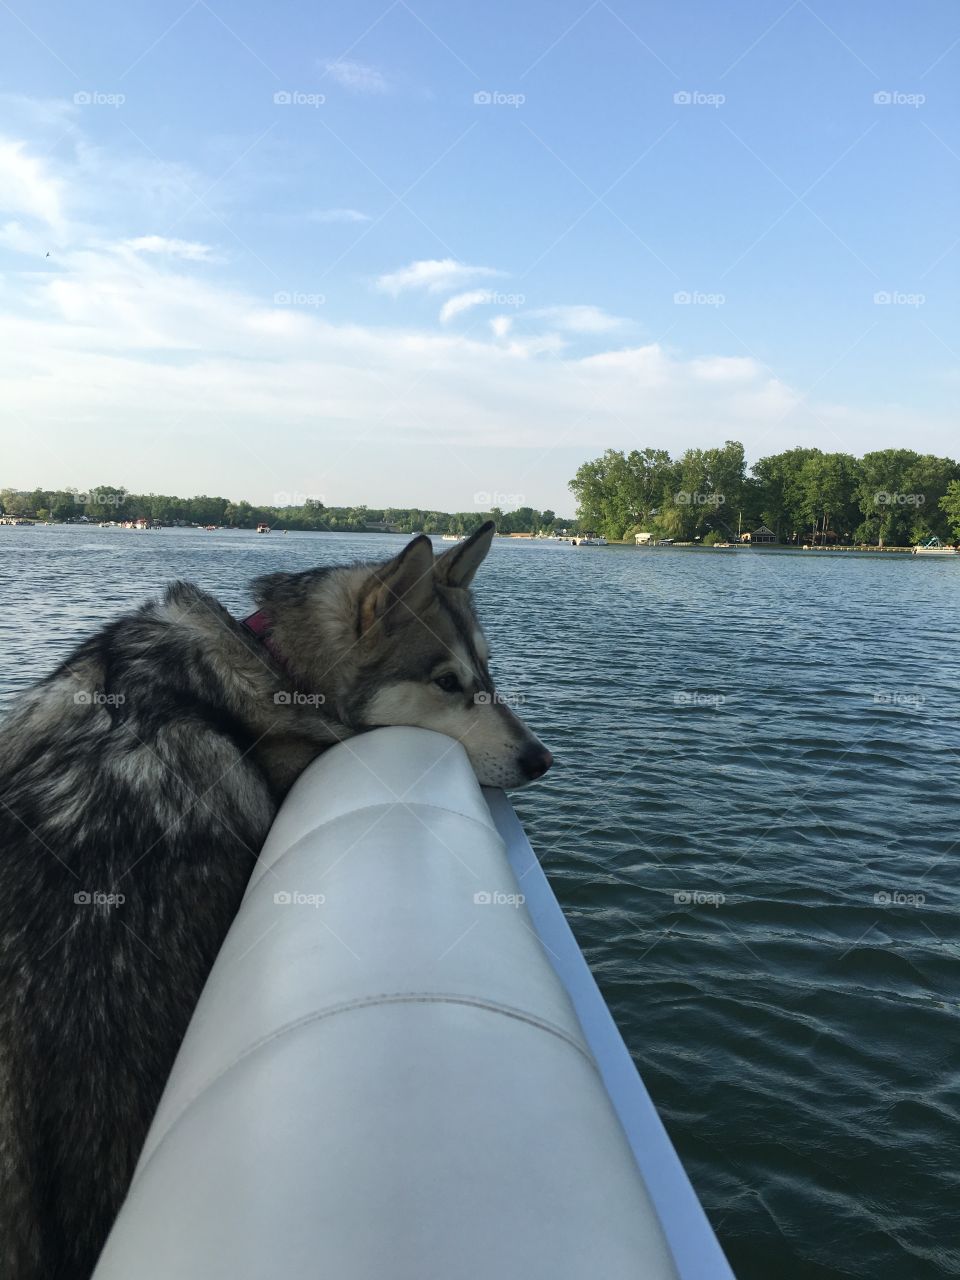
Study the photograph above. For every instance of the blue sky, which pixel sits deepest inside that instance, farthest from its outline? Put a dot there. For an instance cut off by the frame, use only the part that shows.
(293, 252)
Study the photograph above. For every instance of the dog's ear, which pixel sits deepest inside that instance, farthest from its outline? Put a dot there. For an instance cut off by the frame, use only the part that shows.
(457, 566)
(399, 589)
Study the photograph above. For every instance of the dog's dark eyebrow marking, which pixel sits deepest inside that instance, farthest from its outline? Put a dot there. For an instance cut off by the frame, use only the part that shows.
(465, 624)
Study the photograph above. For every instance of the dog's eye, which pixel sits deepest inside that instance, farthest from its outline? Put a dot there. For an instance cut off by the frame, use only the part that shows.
(449, 683)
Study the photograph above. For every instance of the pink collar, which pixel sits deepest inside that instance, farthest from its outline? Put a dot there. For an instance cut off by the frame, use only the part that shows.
(259, 624)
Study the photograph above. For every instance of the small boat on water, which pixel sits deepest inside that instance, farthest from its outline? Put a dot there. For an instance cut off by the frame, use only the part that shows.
(935, 548)
(263, 528)
(17, 521)
(451, 537)
(589, 540)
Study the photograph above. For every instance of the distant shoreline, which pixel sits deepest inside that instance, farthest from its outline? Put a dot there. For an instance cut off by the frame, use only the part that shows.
(780, 548)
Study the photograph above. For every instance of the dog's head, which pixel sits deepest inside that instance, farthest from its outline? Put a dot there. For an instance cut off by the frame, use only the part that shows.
(399, 644)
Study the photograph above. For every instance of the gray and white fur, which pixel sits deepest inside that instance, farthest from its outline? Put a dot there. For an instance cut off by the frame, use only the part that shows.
(138, 782)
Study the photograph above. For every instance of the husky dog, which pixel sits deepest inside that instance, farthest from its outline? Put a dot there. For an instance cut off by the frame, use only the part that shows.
(137, 785)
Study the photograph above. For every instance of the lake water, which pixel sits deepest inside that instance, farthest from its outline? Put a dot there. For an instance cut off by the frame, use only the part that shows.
(752, 826)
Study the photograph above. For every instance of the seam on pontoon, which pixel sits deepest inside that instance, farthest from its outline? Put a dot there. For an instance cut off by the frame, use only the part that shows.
(366, 1002)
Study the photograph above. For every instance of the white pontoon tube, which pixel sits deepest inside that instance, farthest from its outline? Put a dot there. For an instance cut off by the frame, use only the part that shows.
(398, 1070)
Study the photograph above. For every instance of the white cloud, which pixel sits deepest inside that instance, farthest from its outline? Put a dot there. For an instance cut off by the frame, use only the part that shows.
(729, 369)
(122, 359)
(15, 236)
(284, 385)
(433, 275)
(579, 319)
(356, 76)
(26, 187)
(191, 250)
(461, 302)
(338, 215)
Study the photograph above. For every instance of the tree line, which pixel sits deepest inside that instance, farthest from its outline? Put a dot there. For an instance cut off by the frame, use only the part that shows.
(112, 502)
(892, 497)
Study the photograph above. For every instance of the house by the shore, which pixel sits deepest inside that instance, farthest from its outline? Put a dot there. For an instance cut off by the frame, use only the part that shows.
(759, 537)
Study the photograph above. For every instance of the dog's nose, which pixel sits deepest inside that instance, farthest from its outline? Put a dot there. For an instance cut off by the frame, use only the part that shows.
(535, 762)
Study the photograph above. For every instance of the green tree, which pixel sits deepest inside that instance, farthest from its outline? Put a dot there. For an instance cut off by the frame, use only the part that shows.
(950, 505)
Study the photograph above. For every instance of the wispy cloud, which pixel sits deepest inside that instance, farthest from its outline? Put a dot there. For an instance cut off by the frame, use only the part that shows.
(338, 215)
(130, 338)
(229, 389)
(27, 189)
(579, 319)
(432, 275)
(356, 76)
(461, 302)
(191, 250)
